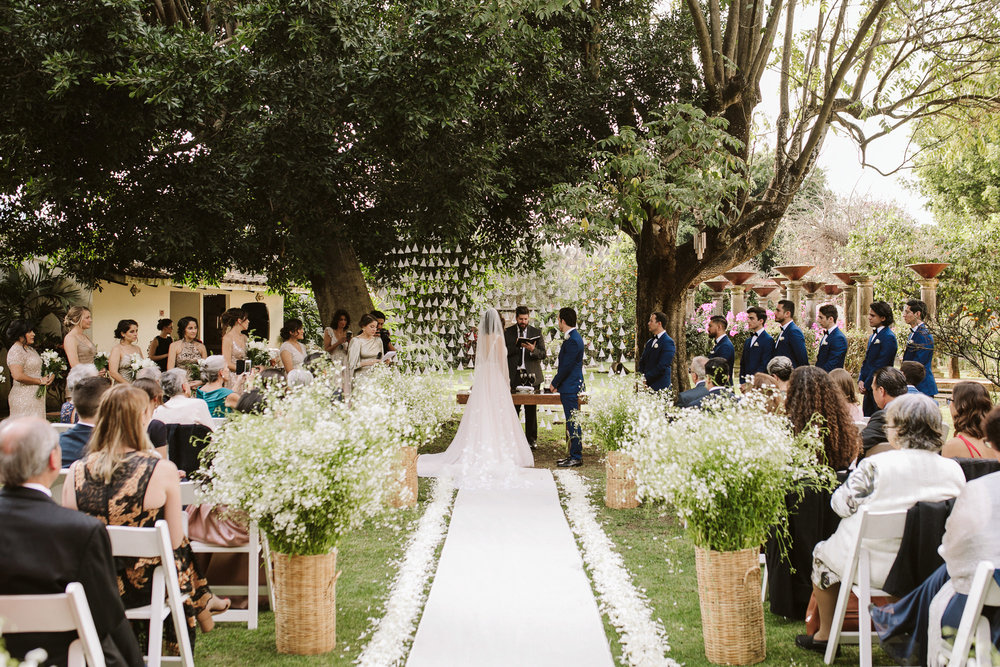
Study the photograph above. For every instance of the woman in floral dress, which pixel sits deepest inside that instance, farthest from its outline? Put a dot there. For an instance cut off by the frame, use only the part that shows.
(25, 371)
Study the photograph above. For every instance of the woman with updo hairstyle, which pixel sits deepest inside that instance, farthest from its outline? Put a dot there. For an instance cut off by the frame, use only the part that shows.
(970, 403)
(187, 351)
(843, 381)
(220, 398)
(780, 368)
(293, 353)
(25, 366)
(79, 348)
(159, 347)
(337, 336)
(235, 322)
(120, 359)
(366, 349)
(123, 482)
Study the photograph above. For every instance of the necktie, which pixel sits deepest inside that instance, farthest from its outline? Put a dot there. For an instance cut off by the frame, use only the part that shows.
(523, 333)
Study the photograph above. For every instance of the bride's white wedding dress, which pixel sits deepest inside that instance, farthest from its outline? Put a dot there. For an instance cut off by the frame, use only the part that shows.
(489, 445)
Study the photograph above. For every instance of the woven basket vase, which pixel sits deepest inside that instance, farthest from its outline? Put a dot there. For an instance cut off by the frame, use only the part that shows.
(732, 615)
(305, 597)
(619, 487)
(401, 485)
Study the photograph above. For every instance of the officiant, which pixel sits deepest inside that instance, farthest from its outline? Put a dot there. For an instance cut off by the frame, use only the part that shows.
(525, 351)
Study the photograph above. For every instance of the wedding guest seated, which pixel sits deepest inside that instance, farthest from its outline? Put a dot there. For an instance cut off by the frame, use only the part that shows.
(697, 370)
(67, 413)
(123, 482)
(220, 398)
(764, 384)
(157, 430)
(252, 402)
(849, 389)
(299, 377)
(269, 376)
(45, 547)
(178, 406)
(914, 374)
(812, 395)
(87, 396)
(970, 403)
(911, 629)
(716, 379)
(893, 480)
(888, 384)
(152, 373)
(780, 368)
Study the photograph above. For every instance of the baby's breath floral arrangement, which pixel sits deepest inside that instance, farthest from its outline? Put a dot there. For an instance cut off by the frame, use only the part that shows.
(726, 471)
(308, 468)
(421, 403)
(52, 364)
(613, 411)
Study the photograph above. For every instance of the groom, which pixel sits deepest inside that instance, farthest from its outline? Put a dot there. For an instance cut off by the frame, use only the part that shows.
(569, 382)
(525, 356)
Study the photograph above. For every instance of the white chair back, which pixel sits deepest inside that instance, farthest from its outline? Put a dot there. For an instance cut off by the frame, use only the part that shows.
(57, 486)
(856, 578)
(60, 427)
(59, 612)
(973, 626)
(218, 421)
(155, 543)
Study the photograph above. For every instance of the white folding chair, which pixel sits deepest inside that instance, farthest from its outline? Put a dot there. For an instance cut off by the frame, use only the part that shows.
(762, 559)
(856, 578)
(974, 627)
(57, 486)
(253, 551)
(58, 612)
(155, 543)
(60, 427)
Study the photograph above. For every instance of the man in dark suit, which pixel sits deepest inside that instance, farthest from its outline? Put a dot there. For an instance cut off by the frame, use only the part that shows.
(569, 383)
(716, 372)
(45, 546)
(86, 397)
(697, 370)
(718, 328)
(525, 351)
(791, 343)
(833, 344)
(881, 351)
(920, 344)
(657, 355)
(758, 348)
(888, 384)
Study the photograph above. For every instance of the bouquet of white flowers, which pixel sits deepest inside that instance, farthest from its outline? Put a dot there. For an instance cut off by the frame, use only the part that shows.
(726, 471)
(101, 361)
(307, 469)
(52, 364)
(136, 363)
(258, 352)
(615, 409)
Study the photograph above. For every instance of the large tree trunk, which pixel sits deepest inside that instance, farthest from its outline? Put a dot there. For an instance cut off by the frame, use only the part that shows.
(341, 285)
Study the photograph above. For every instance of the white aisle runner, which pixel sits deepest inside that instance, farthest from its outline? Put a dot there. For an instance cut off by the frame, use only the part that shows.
(510, 587)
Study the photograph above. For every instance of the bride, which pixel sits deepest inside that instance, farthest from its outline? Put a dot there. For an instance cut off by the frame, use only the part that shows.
(489, 445)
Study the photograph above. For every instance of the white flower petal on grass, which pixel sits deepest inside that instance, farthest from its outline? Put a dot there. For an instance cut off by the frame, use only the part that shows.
(642, 638)
(391, 634)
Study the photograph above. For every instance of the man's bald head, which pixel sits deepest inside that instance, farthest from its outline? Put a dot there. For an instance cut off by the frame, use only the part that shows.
(26, 447)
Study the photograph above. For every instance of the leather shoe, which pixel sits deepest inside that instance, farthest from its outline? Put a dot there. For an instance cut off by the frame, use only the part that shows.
(808, 643)
(569, 463)
(531, 443)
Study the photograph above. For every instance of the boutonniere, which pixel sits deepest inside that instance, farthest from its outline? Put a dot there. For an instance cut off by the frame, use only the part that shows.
(878, 341)
(656, 345)
(824, 343)
(780, 338)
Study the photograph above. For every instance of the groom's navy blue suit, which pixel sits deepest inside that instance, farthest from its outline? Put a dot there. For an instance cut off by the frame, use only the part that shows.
(569, 382)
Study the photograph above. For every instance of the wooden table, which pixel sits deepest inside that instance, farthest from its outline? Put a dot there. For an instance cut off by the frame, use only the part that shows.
(523, 399)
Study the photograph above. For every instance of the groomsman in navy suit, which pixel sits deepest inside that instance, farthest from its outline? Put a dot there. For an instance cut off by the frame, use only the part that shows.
(758, 348)
(658, 354)
(717, 328)
(920, 344)
(791, 343)
(881, 351)
(833, 345)
(569, 383)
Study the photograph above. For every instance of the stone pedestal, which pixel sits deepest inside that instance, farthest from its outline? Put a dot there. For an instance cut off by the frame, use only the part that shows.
(793, 292)
(812, 303)
(717, 303)
(737, 296)
(866, 295)
(851, 306)
(928, 294)
(689, 306)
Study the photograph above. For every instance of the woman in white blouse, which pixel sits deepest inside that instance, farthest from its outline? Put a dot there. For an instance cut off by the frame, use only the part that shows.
(365, 349)
(293, 352)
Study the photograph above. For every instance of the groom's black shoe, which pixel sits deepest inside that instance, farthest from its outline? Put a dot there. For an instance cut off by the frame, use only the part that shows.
(569, 463)
(531, 443)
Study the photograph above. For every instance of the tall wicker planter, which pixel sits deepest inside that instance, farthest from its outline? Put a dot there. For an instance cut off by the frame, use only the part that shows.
(732, 615)
(402, 484)
(620, 488)
(305, 597)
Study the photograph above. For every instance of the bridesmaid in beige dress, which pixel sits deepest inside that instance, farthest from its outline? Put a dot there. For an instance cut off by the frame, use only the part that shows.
(292, 351)
(366, 349)
(120, 359)
(336, 340)
(234, 343)
(25, 371)
(188, 350)
(79, 348)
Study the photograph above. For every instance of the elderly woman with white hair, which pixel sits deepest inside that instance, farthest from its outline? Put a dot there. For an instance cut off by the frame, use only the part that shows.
(780, 368)
(67, 413)
(179, 407)
(897, 479)
(220, 398)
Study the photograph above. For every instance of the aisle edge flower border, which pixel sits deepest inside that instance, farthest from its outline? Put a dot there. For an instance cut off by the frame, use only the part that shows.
(391, 634)
(643, 639)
